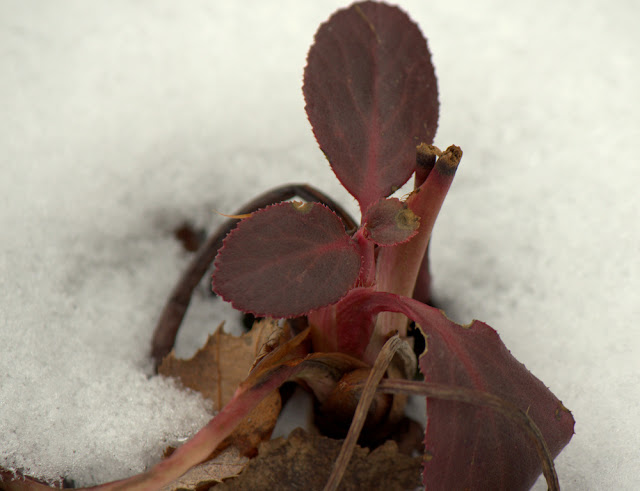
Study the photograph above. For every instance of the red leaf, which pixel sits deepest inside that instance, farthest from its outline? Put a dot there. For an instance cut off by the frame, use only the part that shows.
(371, 97)
(471, 447)
(389, 222)
(286, 260)
(495, 455)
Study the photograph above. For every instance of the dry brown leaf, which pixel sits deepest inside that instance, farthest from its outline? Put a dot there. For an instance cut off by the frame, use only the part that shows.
(201, 477)
(222, 363)
(304, 462)
(219, 367)
(256, 427)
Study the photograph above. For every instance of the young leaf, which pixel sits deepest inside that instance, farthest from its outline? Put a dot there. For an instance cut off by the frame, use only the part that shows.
(390, 222)
(371, 97)
(471, 447)
(286, 260)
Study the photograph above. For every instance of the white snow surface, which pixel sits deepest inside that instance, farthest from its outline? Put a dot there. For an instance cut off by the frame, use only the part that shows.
(120, 120)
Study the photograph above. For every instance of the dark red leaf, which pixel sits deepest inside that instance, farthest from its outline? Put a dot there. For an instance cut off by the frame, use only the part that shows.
(371, 97)
(389, 222)
(470, 447)
(499, 456)
(286, 260)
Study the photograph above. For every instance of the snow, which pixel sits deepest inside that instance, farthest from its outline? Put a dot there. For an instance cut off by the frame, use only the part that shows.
(120, 120)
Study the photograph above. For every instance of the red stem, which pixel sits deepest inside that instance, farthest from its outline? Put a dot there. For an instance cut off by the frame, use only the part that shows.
(398, 267)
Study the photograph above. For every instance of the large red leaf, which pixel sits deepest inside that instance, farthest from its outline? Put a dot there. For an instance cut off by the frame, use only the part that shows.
(371, 97)
(286, 260)
(494, 454)
(471, 447)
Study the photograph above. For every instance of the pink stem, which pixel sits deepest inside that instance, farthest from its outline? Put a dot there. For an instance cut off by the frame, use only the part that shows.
(203, 443)
(398, 267)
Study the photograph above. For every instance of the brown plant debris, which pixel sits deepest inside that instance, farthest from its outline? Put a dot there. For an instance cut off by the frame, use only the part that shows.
(304, 462)
(219, 367)
(221, 364)
(190, 237)
(201, 477)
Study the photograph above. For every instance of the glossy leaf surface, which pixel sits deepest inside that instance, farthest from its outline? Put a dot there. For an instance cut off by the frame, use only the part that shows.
(469, 447)
(371, 97)
(286, 260)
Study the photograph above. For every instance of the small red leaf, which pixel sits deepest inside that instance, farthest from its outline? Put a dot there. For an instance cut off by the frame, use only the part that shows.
(286, 260)
(389, 222)
(471, 447)
(371, 97)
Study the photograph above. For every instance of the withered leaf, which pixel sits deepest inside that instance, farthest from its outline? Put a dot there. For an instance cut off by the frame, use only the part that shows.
(225, 465)
(216, 371)
(221, 364)
(304, 461)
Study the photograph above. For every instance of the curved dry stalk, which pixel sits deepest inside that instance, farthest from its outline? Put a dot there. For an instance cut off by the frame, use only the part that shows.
(366, 398)
(478, 398)
(176, 306)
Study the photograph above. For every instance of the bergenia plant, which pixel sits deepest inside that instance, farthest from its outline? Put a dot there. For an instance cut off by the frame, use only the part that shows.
(353, 290)
(372, 101)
